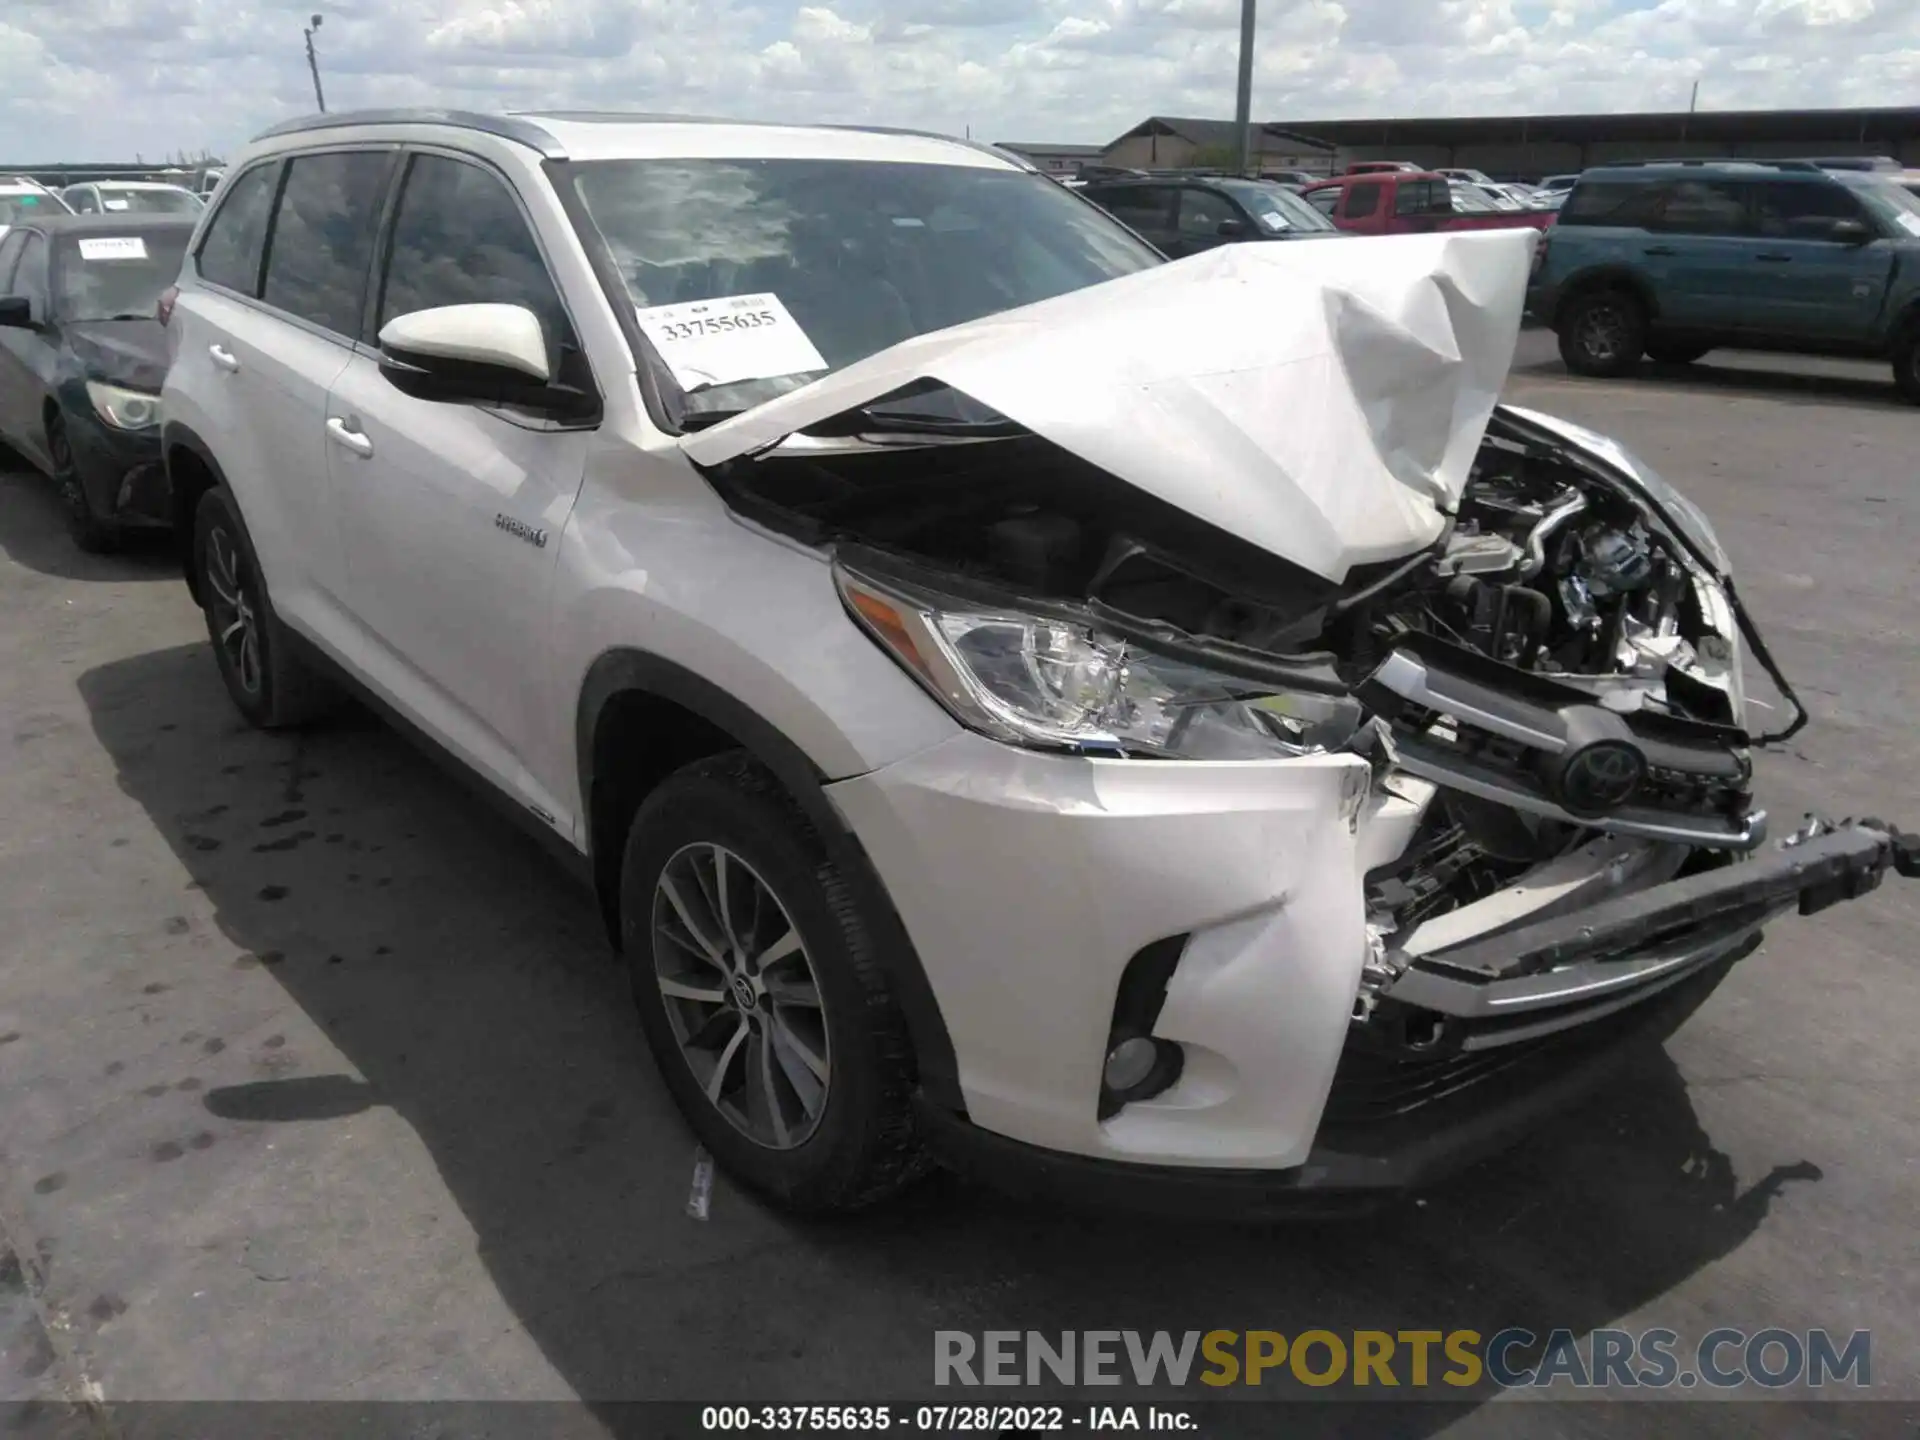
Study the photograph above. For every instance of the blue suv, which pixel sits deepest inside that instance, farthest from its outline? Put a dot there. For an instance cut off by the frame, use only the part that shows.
(1673, 259)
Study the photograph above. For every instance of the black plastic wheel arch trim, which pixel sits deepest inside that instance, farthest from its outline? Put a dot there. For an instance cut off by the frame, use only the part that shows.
(626, 670)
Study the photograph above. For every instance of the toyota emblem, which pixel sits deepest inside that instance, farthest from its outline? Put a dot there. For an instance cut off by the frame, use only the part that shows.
(1602, 776)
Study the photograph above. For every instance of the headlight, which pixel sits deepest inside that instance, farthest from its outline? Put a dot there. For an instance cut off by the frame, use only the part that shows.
(1033, 680)
(124, 409)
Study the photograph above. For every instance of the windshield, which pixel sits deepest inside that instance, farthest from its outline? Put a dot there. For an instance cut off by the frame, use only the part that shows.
(116, 277)
(124, 200)
(1892, 204)
(821, 263)
(1276, 208)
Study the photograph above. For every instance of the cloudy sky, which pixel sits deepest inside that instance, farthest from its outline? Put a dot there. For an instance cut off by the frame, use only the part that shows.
(101, 79)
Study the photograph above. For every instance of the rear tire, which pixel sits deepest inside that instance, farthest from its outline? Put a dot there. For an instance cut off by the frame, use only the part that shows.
(264, 675)
(1603, 332)
(1671, 352)
(794, 1071)
(1906, 363)
(90, 533)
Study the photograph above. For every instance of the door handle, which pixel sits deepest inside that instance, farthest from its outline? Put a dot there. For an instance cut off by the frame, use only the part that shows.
(1660, 250)
(352, 438)
(225, 359)
(1772, 257)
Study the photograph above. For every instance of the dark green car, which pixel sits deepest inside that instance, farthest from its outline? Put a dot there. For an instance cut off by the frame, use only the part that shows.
(1671, 260)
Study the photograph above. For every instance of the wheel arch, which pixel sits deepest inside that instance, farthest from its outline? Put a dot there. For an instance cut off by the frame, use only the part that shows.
(191, 472)
(639, 718)
(1606, 277)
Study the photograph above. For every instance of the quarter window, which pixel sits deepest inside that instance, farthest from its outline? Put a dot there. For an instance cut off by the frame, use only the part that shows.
(322, 242)
(230, 255)
(459, 238)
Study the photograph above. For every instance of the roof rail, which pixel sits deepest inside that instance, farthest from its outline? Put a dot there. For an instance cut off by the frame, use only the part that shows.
(507, 127)
(1755, 162)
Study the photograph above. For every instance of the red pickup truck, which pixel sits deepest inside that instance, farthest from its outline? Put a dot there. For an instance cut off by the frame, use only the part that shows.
(1410, 203)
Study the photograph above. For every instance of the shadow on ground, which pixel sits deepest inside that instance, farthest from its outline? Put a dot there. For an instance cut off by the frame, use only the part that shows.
(1720, 373)
(464, 979)
(35, 535)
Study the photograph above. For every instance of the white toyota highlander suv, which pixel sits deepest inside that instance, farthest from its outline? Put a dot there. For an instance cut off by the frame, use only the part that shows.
(1156, 729)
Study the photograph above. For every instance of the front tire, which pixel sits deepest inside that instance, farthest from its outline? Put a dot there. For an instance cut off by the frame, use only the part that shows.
(90, 533)
(265, 678)
(1906, 363)
(1603, 332)
(761, 993)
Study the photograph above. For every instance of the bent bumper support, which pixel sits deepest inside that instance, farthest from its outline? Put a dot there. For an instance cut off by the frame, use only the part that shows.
(1530, 979)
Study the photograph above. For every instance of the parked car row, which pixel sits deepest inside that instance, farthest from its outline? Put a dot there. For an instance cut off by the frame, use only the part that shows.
(21, 198)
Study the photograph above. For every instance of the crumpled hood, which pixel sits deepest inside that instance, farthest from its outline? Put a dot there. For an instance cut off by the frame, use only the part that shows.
(122, 352)
(1324, 402)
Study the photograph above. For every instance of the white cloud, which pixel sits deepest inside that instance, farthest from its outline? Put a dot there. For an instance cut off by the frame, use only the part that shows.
(100, 79)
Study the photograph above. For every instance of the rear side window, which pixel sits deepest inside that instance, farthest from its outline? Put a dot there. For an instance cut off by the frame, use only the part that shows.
(1608, 202)
(459, 238)
(1144, 207)
(230, 253)
(1363, 199)
(322, 244)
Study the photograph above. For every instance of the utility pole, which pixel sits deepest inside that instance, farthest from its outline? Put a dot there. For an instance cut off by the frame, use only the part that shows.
(1243, 103)
(1694, 103)
(313, 64)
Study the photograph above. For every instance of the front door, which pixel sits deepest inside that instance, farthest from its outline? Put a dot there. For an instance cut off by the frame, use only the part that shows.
(1699, 253)
(1806, 283)
(451, 515)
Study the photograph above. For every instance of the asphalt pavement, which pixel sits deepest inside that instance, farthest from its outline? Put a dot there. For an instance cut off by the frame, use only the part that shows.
(317, 1081)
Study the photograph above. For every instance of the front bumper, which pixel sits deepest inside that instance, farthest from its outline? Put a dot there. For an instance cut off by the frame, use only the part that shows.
(121, 470)
(1028, 882)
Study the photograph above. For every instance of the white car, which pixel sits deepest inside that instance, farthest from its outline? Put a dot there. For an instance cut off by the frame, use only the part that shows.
(21, 196)
(132, 197)
(1155, 727)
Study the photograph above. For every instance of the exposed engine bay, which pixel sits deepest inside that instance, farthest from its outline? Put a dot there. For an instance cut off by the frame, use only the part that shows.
(1550, 693)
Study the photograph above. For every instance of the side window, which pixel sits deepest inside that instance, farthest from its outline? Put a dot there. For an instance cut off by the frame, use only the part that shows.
(459, 238)
(1800, 209)
(1704, 207)
(1608, 202)
(82, 201)
(1202, 213)
(321, 246)
(1144, 207)
(1363, 198)
(230, 254)
(1325, 201)
(1422, 197)
(30, 277)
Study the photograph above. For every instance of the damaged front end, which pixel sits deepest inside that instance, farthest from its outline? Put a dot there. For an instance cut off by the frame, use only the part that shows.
(1544, 674)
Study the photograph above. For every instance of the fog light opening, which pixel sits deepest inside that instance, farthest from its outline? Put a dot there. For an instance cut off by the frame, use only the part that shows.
(1138, 1068)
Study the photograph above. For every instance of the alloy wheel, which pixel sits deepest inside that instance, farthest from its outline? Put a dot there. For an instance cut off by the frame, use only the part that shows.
(236, 617)
(741, 995)
(1603, 333)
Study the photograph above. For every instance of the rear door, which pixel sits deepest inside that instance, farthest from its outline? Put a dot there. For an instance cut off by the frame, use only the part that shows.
(451, 514)
(1806, 284)
(1701, 246)
(271, 352)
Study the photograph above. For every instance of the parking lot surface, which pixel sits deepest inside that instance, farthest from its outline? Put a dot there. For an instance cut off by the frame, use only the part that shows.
(320, 1083)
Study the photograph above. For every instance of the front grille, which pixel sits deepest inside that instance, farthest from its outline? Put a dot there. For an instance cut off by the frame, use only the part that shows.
(1371, 1087)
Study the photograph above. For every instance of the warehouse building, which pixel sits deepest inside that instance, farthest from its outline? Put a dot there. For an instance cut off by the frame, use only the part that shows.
(1524, 146)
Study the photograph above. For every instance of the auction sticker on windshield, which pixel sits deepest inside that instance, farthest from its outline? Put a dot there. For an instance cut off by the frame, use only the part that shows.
(101, 247)
(735, 337)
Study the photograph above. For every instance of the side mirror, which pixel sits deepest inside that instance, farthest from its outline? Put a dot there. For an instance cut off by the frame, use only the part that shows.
(1229, 229)
(1851, 232)
(16, 312)
(475, 355)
